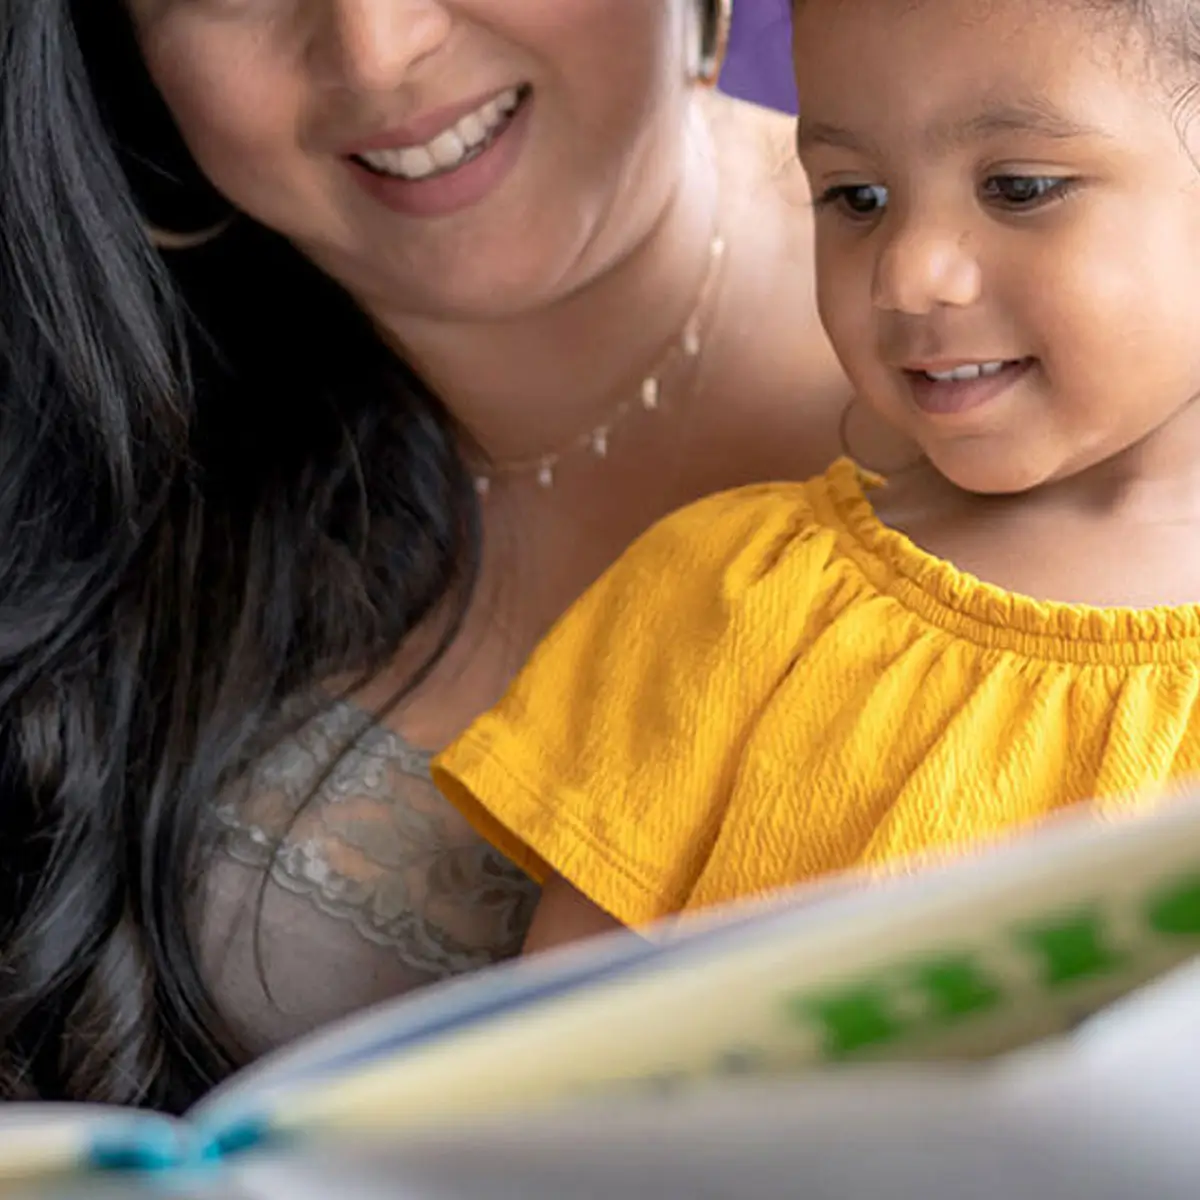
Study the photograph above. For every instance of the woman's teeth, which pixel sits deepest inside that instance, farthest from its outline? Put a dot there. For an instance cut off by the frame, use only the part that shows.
(967, 371)
(465, 139)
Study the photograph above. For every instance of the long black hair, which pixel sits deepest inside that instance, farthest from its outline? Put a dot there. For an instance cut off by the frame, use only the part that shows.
(217, 489)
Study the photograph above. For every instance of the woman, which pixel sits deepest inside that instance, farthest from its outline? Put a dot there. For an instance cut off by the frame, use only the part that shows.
(244, 250)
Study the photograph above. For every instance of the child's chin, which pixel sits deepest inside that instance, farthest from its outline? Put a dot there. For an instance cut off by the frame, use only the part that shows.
(984, 471)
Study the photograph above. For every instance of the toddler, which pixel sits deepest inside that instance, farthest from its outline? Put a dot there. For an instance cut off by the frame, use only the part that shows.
(791, 680)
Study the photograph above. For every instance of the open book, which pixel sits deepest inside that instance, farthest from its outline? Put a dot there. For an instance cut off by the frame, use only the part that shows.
(953, 962)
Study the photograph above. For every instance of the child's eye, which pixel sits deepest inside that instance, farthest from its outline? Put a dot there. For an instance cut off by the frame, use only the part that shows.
(857, 200)
(1025, 191)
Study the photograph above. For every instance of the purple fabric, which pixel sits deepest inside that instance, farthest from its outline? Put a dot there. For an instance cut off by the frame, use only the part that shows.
(759, 66)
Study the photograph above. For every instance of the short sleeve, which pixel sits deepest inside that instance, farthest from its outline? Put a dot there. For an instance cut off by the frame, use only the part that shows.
(613, 756)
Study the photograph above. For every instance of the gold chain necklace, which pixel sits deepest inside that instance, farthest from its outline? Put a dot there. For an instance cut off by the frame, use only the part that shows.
(687, 345)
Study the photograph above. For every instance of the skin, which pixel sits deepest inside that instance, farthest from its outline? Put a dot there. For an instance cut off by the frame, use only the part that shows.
(537, 311)
(1016, 183)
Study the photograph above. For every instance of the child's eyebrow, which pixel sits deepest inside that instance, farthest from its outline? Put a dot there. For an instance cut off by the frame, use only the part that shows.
(1026, 116)
(819, 133)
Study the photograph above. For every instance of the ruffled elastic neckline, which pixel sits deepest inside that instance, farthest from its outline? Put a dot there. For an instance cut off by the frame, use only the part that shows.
(965, 605)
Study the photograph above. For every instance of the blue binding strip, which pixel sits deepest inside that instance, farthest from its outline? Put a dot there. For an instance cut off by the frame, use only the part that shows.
(153, 1146)
(146, 1144)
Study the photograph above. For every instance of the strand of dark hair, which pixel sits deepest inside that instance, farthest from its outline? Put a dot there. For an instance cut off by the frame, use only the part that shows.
(218, 488)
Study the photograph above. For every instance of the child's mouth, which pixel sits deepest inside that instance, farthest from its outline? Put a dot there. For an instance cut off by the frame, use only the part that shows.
(952, 388)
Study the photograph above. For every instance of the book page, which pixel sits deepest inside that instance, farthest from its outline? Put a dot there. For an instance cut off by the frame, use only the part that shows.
(1107, 1113)
(46, 1140)
(964, 961)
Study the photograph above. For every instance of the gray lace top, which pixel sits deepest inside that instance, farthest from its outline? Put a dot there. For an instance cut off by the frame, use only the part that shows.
(374, 887)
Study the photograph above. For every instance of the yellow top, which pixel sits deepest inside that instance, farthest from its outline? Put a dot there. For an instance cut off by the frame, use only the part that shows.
(771, 685)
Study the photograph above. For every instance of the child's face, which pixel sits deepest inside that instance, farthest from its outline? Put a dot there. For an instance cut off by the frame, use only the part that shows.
(1003, 181)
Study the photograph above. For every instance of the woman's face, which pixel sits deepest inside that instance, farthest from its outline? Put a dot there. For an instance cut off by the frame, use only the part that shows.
(438, 157)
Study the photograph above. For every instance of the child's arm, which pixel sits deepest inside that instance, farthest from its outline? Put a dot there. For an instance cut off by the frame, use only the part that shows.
(565, 915)
(612, 758)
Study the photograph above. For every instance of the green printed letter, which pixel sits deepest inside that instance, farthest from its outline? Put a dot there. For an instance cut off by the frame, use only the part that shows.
(1176, 908)
(851, 1019)
(956, 987)
(1071, 950)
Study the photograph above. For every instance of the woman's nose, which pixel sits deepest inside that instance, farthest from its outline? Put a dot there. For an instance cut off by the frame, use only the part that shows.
(372, 45)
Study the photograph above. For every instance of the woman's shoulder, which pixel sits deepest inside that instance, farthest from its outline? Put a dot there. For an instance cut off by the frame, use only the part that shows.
(760, 145)
(777, 387)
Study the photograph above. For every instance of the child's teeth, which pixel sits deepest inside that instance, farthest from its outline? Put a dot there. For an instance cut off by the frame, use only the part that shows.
(966, 371)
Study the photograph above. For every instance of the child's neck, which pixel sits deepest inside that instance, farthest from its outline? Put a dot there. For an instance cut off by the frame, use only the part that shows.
(1124, 533)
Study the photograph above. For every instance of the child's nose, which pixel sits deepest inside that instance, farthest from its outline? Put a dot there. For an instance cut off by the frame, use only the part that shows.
(922, 268)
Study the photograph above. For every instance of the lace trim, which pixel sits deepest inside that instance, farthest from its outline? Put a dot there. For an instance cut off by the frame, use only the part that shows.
(377, 847)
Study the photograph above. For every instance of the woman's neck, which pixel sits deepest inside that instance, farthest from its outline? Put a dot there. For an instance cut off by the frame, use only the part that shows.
(529, 384)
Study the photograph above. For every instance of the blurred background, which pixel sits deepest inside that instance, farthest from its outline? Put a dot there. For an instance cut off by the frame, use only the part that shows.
(759, 66)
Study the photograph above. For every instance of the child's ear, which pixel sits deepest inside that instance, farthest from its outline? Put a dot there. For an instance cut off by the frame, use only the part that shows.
(565, 915)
